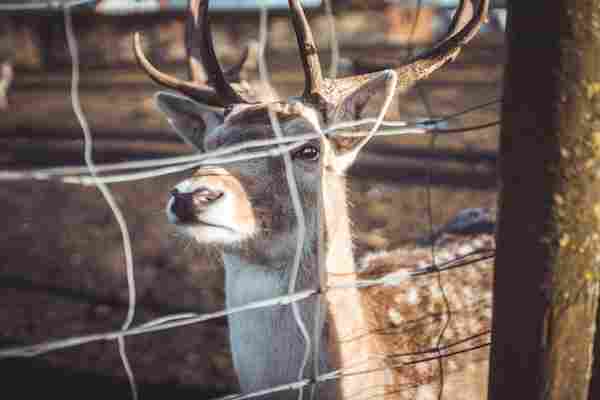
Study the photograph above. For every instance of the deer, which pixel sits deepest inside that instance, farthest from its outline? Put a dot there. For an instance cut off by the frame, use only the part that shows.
(246, 208)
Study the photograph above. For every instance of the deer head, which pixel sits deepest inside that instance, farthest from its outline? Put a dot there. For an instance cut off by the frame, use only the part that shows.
(247, 206)
(250, 200)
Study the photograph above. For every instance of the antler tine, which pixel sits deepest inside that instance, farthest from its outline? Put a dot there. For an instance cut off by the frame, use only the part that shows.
(216, 77)
(463, 10)
(194, 55)
(308, 51)
(196, 69)
(201, 58)
(465, 24)
(195, 90)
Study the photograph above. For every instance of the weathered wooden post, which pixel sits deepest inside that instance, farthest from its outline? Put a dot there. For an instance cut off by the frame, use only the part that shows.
(548, 249)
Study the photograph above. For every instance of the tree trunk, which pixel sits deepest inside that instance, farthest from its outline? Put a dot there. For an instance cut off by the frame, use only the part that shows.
(547, 277)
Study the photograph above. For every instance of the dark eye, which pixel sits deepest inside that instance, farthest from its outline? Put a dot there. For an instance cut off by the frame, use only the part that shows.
(308, 153)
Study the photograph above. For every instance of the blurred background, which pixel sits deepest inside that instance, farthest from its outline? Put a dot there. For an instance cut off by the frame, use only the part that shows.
(62, 268)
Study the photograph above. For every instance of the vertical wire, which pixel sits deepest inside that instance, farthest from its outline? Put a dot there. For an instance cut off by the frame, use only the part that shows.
(263, 36)
(289, 172)
(318, 327)
(333, 41)
(295, 197)
(106, 193)
(318, 316)
(429, 205)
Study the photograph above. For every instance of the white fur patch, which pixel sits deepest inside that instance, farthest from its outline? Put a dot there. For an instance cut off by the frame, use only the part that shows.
(412, 296)
(395, 316)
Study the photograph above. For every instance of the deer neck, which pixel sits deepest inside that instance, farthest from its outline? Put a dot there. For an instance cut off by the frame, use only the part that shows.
(335, 243)
(247, 280)
(349, 317)
(267, 345)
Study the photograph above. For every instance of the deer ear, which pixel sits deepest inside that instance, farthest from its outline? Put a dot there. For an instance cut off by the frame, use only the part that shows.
(357, 93)
(191, 120)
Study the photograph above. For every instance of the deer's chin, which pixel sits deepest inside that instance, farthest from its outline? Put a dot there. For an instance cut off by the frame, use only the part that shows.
(220, 225)
(215, 233)
(206, 234)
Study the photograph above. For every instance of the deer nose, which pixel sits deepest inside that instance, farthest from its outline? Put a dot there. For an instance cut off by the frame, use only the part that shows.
(186, 205)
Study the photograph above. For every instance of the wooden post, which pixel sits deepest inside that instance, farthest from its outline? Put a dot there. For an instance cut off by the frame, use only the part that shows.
(547, 267)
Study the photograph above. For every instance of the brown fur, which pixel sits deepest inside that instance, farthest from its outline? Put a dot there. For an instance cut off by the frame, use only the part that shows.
(412, 319)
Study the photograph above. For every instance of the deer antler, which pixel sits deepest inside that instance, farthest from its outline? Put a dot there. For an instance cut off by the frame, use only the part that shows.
(308, 51)
(199, 13)
(218, 91)
(465, 24)
(469, 17)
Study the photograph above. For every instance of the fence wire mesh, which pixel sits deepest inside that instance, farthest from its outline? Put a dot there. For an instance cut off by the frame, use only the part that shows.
(100, 175)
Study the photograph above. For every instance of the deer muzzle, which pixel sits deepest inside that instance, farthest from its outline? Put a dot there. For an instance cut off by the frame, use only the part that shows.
(212, 206)
(187, 205)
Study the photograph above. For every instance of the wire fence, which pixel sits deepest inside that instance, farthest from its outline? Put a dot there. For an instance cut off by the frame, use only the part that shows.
(280, 146)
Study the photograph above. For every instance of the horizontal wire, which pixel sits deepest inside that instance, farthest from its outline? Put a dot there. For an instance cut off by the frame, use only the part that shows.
(47, 5)
(462, 261)
(407, 325)
(447, 355)
(406, 128)
(168, 160)
(341, 373)
(50, 173)
(151, 326)
(273, 389)
(423, 360)
(182, 163)
(468, 110)
(276, 152)
(179, 320)
(445, 347)
(466, 128)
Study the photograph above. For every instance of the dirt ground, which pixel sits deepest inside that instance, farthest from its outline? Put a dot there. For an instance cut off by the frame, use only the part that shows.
(62, 266)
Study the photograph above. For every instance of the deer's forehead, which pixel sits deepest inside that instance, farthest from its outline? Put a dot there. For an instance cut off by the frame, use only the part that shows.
(242, 130)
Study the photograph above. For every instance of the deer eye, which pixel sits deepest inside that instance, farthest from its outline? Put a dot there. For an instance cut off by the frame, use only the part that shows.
(308, 153)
